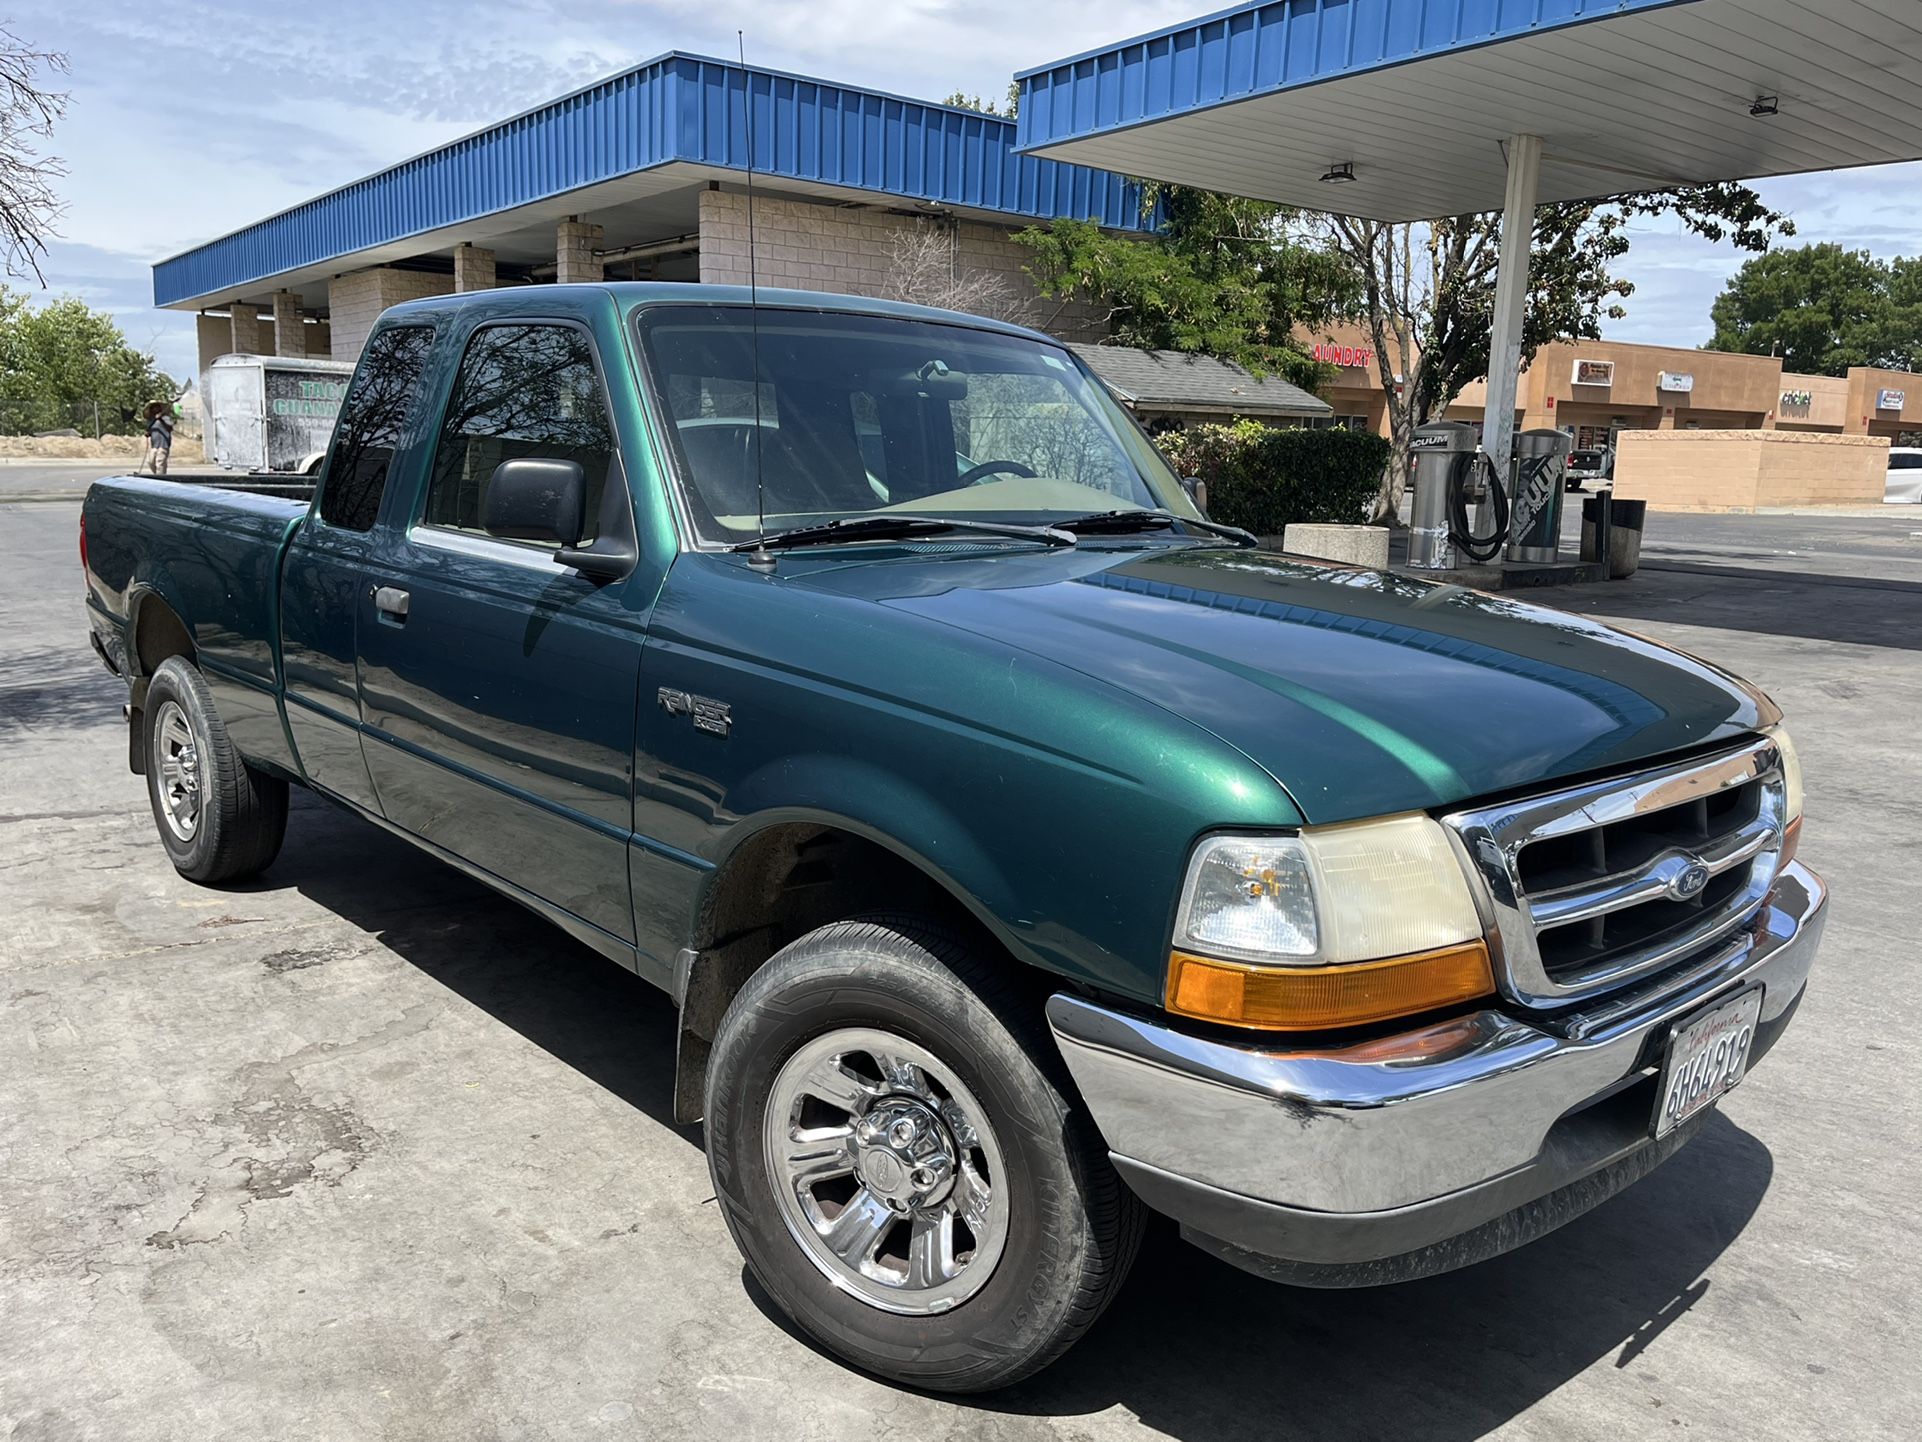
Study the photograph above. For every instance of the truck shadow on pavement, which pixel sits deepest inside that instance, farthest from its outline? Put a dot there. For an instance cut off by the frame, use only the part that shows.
(57, 689)
(1813, 605)
(1192, 1347)
(1199, 1350)
(614, 1028)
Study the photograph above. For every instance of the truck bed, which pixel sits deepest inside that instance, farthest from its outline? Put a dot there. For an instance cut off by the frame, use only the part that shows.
(209, 551)
(283, 484)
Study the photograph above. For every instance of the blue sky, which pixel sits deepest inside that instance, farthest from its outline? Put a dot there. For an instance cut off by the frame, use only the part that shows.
(187, 121)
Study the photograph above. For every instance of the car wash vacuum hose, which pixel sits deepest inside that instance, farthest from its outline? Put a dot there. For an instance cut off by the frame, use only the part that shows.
(1480, 549)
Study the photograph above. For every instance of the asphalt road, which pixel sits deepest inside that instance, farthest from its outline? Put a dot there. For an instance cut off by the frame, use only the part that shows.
(363, 1151)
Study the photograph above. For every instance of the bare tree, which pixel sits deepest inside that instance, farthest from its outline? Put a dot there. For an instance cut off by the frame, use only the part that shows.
(924, 266)
(28, 205)
(1428, 289)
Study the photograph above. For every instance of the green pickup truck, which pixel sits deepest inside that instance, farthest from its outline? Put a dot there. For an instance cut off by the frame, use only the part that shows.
(1024, 851)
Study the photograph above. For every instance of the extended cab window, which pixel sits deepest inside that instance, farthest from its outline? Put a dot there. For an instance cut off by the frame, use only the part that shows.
(523, 391)
(373, 419)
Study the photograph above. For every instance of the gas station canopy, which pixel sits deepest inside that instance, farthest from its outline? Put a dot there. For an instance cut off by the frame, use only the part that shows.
(1407, 110)
(1419, 98)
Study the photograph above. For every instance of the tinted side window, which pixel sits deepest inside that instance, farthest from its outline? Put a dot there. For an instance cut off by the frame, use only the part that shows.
(373, 419)
(523, 390)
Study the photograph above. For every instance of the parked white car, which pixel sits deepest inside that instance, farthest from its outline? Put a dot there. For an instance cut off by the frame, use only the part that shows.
(1905, 476)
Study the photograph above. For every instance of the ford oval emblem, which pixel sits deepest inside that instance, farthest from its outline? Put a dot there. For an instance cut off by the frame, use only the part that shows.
(1689, 882)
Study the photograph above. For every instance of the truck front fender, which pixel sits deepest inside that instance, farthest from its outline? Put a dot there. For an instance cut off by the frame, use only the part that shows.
(883, 807)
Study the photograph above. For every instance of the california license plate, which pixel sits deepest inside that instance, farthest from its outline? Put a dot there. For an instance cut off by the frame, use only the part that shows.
(1707, 1058)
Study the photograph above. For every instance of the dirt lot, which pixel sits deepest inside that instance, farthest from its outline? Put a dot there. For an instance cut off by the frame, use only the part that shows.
(362, 1150)
(112, 449)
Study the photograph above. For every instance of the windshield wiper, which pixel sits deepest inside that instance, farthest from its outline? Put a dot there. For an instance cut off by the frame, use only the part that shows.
(1141, 520)
(888, 528)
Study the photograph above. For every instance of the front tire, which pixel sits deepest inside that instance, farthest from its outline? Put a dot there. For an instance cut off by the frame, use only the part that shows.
(900, 1159)
(219, 819)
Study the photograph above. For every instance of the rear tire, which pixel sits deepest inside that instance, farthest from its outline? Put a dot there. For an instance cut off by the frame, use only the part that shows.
(219, 819)
(869, 1241)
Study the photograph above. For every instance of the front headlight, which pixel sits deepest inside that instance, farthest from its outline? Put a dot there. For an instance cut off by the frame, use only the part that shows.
(1791, 789)
(1791, 770)
(1332, 926)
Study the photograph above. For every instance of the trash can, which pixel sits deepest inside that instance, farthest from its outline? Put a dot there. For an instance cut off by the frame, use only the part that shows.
(1595, 527)
(1615, 528)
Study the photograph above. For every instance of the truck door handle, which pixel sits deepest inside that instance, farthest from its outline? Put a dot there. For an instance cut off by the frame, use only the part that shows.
(390, 601)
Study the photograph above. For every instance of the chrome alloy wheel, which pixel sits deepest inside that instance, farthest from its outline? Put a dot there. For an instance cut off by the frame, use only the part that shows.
(886, 1172)
(177, 761)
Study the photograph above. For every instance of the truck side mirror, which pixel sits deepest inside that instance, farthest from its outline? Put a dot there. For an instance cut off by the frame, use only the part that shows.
(1197, 490)
(536, 500)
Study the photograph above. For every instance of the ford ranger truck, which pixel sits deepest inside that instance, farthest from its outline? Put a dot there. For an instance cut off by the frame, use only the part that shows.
(1024, 851)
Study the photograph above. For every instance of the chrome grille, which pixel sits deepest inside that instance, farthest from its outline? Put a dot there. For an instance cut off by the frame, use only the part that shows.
(1601, 884)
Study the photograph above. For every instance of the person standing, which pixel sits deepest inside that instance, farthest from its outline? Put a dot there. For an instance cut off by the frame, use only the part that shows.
(160, 437)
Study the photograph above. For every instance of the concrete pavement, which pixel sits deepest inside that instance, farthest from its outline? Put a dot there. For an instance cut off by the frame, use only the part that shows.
(361, 1150)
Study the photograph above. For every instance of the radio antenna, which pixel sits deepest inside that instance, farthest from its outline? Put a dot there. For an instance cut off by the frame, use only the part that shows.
(760, 558)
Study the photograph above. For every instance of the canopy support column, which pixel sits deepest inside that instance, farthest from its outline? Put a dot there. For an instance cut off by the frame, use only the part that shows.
(1511, 298)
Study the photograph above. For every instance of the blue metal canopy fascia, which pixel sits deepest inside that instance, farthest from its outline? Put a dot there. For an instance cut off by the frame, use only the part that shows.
(1405, 110)
(676, 108)
(1269, 46)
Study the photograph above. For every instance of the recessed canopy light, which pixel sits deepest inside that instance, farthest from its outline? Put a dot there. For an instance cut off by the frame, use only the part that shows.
(1764, 105)
(1341, 174)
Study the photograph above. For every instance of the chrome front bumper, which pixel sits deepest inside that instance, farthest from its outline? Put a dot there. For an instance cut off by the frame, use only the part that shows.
(1421, 1151)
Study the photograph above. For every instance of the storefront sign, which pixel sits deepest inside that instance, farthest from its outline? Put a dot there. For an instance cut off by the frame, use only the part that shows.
(1343, 355)
(1681, 381)
(1594, 373)
(1891, 400)
(1797, 400)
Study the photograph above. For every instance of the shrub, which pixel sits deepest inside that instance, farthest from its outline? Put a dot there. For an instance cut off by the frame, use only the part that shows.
(1263, 479)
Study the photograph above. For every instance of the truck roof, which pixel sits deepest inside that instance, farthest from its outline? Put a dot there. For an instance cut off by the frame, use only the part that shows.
(631, 294)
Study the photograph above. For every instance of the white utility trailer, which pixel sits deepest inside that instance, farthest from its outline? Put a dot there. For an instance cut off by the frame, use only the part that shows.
(272, 413)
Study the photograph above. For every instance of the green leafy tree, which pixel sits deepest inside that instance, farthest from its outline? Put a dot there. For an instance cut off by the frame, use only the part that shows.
(1008, 109)
(1224, 276)
(1427, 290)
(64, 364)
(1823, 309)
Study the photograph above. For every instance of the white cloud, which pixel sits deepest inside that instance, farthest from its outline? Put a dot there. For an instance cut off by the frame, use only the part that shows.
(189, 121)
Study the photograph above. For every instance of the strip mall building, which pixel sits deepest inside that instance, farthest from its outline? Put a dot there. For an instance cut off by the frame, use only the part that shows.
(1595, 389)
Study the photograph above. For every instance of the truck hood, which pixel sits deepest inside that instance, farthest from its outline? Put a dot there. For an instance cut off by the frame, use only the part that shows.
(1361, 692)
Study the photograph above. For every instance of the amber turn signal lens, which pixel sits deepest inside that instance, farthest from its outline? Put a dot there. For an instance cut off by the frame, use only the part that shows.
(1791, 838)
(1318, 998)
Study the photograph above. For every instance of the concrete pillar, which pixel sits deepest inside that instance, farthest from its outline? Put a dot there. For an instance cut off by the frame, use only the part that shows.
(574, 258)
(473, 268)
(213, 334)
(290, 326)
(1511, 297)
(355, 301)
(245, 320)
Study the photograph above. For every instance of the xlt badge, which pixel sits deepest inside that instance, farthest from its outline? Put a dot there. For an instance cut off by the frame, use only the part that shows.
(708, 714)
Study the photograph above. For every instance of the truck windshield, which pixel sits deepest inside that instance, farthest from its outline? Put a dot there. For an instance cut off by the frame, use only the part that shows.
(854, 415)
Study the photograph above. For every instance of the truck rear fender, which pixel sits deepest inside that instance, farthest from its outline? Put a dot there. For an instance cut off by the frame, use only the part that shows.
(156, 630)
